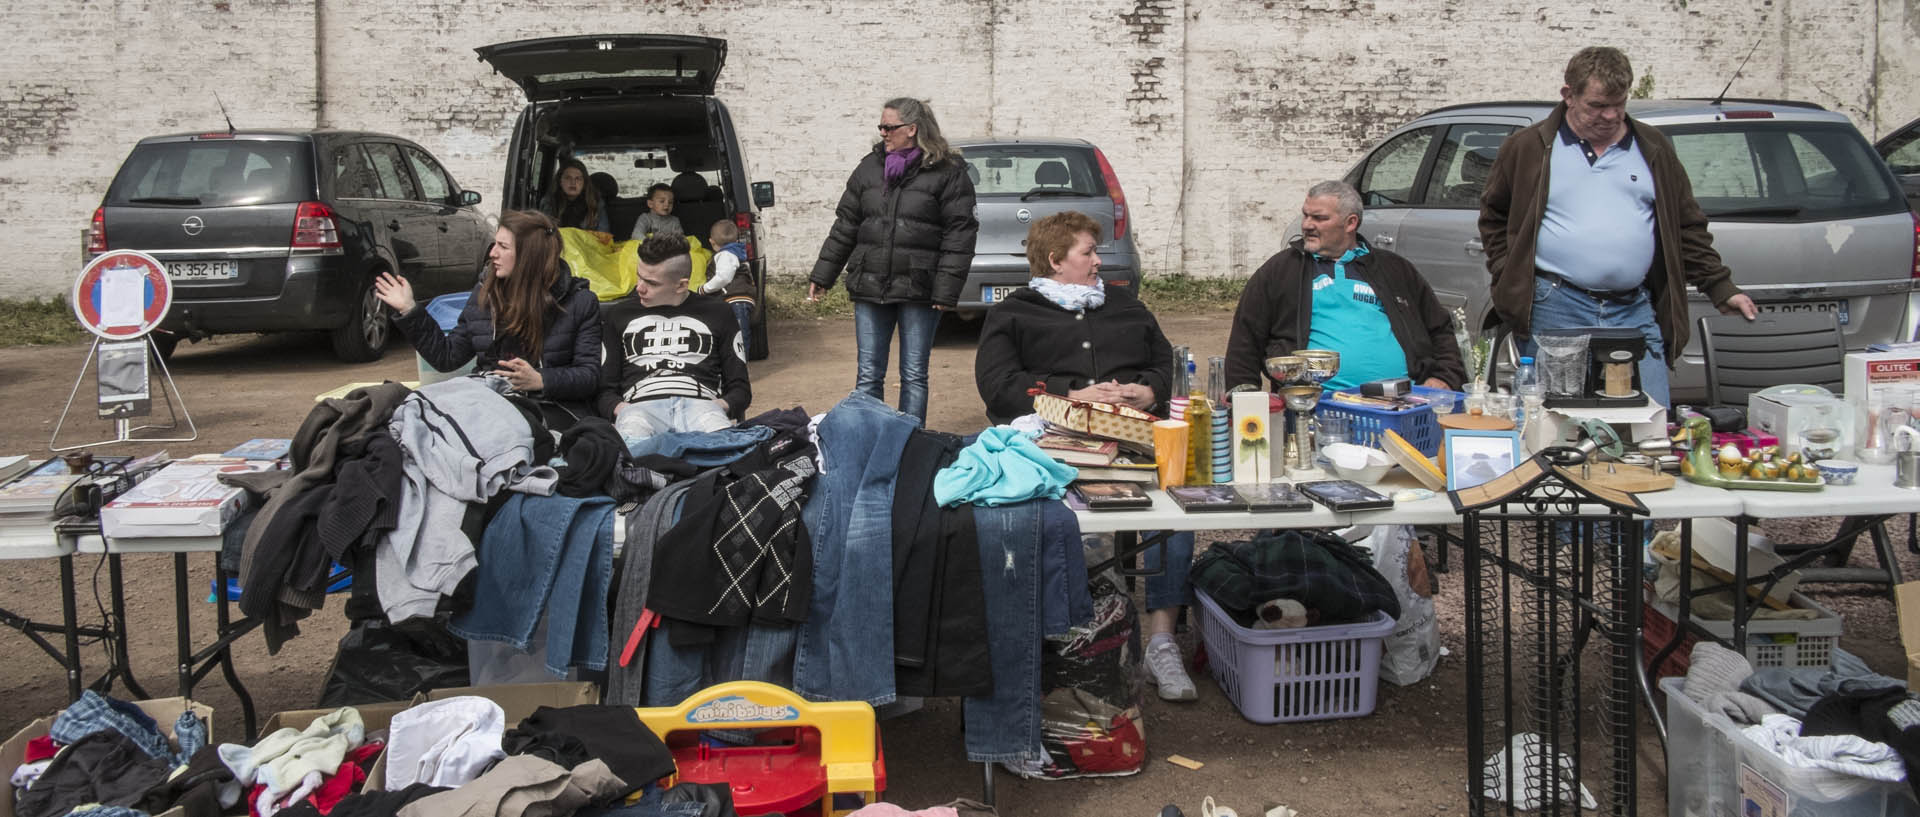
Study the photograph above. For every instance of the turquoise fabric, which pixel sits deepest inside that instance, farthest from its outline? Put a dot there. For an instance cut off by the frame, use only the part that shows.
(1001, 467)
(1347, 318)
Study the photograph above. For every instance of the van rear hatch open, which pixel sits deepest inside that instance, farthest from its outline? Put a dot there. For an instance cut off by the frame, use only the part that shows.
(550, 68)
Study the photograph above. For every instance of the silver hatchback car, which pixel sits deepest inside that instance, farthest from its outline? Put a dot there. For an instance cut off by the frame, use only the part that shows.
(1016, 181)
(1802, 210)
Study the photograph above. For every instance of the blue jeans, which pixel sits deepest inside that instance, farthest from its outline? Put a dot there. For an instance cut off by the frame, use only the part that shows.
(756, 652)
(845, 649)
(1005, 726)
(551, 554)
(1557, 306)
(873, 331)
(703, 448)
(1169, 588)
(743, 315)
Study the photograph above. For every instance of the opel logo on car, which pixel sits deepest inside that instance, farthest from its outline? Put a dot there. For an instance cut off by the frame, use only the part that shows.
(193, 225)
(1023, 216)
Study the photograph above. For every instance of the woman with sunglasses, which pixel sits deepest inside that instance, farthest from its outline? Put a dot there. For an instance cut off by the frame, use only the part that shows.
(904, 234)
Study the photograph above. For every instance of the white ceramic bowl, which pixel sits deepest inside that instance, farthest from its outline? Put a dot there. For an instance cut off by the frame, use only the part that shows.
(1359, 463)
(1837, 472)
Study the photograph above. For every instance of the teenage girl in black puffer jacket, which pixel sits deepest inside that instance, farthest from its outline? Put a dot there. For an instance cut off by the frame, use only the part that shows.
(904, 233)
(529, 321)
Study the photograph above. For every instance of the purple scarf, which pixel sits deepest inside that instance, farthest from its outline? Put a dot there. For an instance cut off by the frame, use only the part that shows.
(899, 161)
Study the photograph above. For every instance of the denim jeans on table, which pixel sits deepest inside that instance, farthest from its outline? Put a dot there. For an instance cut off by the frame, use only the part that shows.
(1169, 589)
(1005, 726)
(1558, 306)
(873, 332)
(551, 554)
(1065, 602)
(845, 647)
(703, 448)
(757, 652)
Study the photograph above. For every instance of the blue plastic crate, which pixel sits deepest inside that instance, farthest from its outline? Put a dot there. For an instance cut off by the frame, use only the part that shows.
(1417, 425)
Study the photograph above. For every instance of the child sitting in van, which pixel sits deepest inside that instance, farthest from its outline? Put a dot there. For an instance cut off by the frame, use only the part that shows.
(659, 214)
(729, 276)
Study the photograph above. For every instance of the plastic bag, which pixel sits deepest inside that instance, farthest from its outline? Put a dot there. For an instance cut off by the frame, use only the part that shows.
(378, 662)
(612, 270)
(1412, 650)
(1090, 722)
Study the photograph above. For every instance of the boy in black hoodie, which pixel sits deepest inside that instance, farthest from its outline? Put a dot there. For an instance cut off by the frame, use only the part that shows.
(674, 360)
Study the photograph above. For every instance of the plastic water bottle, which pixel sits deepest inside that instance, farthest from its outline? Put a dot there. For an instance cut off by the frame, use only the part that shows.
(1531, 396)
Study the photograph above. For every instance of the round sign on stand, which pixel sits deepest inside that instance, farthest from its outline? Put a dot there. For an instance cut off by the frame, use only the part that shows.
(122, 295)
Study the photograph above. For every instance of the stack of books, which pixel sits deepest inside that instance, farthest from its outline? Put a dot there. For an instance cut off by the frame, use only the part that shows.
(29, 491)
(1096, 460)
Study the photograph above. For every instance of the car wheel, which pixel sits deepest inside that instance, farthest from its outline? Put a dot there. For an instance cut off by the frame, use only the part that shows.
(164, 343)
(364, 336)
(1506, 357)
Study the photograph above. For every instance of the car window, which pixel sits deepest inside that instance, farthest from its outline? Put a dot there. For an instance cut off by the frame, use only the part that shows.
(353, 176)
(1389, 173)
(1761, 170)
(224, 172)
(1461, 167)
(1905, 154)
(394, 180)
(1039, 169)
(434, 185)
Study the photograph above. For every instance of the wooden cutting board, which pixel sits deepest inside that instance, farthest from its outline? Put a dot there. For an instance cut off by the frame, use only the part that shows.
(1633, 479)
(1476, 422)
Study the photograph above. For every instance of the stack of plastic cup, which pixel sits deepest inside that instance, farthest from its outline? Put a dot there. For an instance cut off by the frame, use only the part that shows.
(1177, 408)
(1222, 446)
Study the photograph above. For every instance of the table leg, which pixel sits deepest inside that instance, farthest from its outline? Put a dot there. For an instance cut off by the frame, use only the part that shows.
(70, 617)
(1742, 527)
(986, 783)
(182, 627)
(123, 665)
(223, 624)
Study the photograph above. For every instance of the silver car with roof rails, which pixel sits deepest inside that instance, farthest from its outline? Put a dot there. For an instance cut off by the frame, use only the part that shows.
(1016, 181)
(1801, 208)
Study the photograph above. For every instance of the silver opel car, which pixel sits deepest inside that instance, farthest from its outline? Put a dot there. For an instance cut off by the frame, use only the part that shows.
(1016, 181)
(1802, 210)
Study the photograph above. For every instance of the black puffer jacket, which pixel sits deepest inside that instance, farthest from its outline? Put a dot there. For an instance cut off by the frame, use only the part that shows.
(908, 243)
(569, 357)
(1028, 339)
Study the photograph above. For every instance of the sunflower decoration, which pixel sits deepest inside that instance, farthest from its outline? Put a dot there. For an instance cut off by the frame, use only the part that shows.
(1253, 437)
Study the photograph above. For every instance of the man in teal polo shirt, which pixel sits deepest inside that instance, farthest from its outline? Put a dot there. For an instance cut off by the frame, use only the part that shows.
(1331, 290)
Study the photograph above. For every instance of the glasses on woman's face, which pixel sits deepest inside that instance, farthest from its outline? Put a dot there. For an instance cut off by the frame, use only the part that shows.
(892, 128)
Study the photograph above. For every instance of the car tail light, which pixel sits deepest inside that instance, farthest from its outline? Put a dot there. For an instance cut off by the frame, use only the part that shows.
(745, 222)
(314, 227)
(97, 233)
(1916, 241)
(1113, 190)
(1748, 114)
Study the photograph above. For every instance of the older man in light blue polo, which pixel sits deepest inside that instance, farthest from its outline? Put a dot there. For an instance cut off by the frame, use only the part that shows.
(1589, 220)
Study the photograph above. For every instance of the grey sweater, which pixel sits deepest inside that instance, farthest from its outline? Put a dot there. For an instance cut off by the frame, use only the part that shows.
(463, 443)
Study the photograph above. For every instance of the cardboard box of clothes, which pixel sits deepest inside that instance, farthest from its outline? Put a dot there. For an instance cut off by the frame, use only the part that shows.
(516, 701)
(1906, 603)
(164, 712)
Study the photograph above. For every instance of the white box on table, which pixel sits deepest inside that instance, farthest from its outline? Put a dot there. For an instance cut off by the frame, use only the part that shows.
(185, 498)
(1635, 424)
(1786, 415)
(1865, 373)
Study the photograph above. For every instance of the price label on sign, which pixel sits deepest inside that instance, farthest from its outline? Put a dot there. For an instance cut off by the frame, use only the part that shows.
(122, 295)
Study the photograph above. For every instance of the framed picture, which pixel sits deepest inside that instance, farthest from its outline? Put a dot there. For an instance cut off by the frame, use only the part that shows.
(1473, 457)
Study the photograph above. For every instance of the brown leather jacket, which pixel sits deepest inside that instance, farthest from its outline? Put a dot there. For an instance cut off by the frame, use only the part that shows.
(1515, 202)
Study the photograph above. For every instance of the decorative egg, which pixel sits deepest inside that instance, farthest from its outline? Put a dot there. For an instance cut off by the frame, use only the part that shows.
(1729, 455)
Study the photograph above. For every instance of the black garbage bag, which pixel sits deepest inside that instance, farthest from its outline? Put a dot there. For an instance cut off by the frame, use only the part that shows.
(383, 662)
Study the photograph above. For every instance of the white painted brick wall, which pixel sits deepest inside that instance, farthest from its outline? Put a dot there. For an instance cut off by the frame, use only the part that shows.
(1216, 113)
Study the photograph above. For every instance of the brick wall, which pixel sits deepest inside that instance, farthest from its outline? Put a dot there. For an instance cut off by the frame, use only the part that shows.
(1215, 113)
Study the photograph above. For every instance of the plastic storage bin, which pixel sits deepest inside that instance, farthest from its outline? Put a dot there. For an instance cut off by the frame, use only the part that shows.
(1417, 425)
(1713, 771)
(1770, 643)
(1306, 674)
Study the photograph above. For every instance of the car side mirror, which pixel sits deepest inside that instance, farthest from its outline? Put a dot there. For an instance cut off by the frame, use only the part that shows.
(763, 194)
(466, 198)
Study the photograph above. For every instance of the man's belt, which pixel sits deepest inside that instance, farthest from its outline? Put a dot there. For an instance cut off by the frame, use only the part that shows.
(1612, 295)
